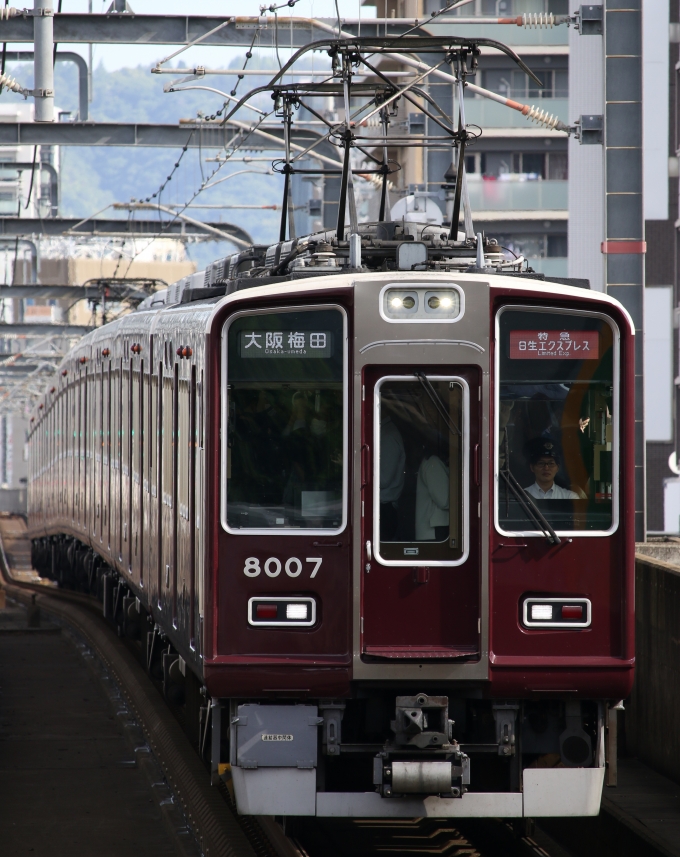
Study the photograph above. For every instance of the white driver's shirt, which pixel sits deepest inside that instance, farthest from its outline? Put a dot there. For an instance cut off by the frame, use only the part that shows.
(555, 492)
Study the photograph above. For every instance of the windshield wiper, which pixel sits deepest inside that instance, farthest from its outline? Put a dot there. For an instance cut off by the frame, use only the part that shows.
(437, 402)
(526, 501)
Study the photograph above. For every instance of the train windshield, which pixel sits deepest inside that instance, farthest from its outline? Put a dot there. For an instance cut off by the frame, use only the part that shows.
(419, 436)
(285, 421)
(557, 422)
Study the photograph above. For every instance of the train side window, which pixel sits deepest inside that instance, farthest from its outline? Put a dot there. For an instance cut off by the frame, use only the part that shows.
(285, 407)
(557, 421)
(420, 462)
(200, 411)
(183, 445)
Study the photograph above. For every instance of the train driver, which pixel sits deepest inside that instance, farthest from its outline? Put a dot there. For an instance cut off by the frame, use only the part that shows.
(544, 463)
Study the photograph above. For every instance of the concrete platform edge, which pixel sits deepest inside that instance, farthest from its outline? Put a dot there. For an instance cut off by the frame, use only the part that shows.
(638, 828)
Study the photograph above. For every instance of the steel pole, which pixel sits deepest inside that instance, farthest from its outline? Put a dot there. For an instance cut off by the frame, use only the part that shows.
(43, 37)
(624, 245)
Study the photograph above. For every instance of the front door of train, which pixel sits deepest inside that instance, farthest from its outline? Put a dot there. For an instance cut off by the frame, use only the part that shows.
(421, 576)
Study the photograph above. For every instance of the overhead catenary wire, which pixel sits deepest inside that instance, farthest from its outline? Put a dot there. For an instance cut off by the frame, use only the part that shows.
(249, 54)
(229, 97)
(177, 214)
(533, 113)
(137, 206)
(30, 186)
(424, 70)
(433, 15)
(158, 194)
(173, 171)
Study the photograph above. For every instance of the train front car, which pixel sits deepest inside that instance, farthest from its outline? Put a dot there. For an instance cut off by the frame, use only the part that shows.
(413, 522)
(423, 544)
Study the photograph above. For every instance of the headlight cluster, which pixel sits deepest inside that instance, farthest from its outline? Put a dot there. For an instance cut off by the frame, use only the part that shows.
(421, 304)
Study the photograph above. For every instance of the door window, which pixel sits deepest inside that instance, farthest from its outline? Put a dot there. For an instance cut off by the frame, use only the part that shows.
(420, 438)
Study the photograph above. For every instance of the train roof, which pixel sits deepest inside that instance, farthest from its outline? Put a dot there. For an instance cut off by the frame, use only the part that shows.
(156, 315)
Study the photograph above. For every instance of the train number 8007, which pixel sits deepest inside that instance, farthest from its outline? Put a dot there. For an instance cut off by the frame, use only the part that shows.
(273, 565)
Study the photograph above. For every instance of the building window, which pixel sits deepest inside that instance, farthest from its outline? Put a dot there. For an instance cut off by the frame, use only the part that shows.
(496, 7)
(534, 246)
(514, 83)
(532, 165)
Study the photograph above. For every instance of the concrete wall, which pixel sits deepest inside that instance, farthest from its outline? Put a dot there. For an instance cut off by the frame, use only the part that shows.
(651, 719)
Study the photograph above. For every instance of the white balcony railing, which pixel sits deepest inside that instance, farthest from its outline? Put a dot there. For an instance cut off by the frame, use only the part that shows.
(509, 195)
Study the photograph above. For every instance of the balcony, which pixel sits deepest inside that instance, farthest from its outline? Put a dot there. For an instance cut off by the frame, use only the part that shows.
(490, 114)
(514, 195)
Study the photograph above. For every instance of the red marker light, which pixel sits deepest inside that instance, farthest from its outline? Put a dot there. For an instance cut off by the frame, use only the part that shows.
(266, 611)
(572, 611)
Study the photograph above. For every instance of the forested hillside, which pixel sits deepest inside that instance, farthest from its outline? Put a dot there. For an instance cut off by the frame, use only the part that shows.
(92, 178)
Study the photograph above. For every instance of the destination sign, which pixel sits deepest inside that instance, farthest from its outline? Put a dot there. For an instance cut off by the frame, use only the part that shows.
(554, 345)
(285, 343)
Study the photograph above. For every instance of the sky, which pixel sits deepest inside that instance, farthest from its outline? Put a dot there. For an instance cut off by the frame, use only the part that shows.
(125, 56)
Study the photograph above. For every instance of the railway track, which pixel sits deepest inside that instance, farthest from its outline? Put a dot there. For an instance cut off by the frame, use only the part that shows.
(208, 810)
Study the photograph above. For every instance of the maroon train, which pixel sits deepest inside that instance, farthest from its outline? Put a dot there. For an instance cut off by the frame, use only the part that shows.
(383, 520)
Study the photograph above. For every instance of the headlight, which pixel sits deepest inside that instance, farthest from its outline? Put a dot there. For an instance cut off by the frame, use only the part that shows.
(406, 302)
(400, 303)
(420, 303)
(445, 303)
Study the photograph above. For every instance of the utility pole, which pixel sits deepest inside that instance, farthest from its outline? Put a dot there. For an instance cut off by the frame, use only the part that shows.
(43, 36)
(624, 242)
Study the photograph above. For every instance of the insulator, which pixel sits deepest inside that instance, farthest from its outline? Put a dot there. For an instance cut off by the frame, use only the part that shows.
(541, 117)
(538, 20)
(8, 12)
(10, 82)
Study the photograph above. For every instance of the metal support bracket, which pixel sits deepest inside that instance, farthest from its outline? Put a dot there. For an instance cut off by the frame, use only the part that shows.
(262, 24)
(590, 20)
(38, 13)
(589, 130)
(332, 719)
(505, 717)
